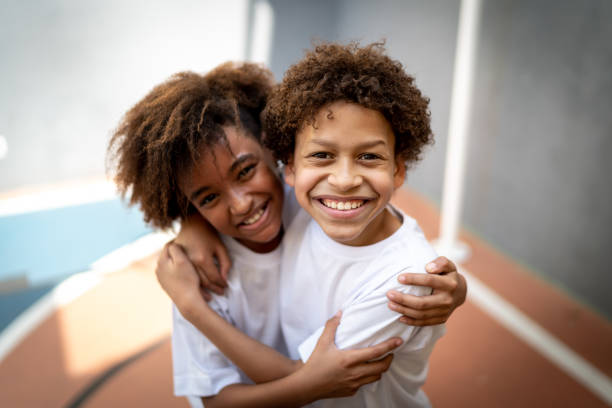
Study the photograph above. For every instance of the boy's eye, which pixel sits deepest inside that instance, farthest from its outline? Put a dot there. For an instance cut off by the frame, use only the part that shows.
(369, 156)
(322, 155)
(245, 172)
(207, 199)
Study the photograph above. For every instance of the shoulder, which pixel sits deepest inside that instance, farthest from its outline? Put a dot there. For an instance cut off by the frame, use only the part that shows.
(407, 251)
(408, 248)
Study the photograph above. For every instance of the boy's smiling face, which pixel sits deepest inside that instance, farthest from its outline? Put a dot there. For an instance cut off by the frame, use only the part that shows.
(344, 172)
(238, 191)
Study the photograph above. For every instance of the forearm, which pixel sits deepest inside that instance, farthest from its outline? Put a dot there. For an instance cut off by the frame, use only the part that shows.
(291, 391)
(258, 361)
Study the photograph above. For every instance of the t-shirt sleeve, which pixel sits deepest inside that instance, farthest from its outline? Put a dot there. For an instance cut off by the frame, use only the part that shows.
(367, 320)
(200, 369)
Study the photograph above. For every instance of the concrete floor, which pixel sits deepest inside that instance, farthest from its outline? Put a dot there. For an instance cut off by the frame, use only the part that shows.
(110, 346)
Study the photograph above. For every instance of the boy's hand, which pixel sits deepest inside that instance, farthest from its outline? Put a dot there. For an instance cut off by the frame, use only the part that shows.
(179, 279)
(335, 373)
(449, 291)
(201, 243)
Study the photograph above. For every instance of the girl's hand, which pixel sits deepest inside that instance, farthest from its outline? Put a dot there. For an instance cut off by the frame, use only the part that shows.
(334, 373)
(449, 291)
(200, 241)
(179, 279)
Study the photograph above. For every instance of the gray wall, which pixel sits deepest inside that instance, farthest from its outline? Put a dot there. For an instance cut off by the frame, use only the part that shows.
(69, 69)
(537, 166)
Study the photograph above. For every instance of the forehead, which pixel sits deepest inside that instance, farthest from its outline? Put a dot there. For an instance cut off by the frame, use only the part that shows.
(344, 121)
(215, 164)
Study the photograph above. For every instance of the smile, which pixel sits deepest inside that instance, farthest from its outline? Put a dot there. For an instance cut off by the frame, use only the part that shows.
(255, 217)
(342, 205)
(252, 220)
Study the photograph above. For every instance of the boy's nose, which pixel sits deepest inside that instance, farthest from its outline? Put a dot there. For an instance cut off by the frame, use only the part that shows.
(344, 177)
(240, 203)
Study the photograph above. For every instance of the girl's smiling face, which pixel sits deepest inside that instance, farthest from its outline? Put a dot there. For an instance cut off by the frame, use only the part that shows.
(237, 191)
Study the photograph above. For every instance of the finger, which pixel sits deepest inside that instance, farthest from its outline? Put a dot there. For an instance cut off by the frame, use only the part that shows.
(415, 304)
(207, 297)
(442, 282)
(382, 364)
(165, 252)
(423, 322)
(209, 274)
(441, 265)
(420, 314)
(329, 333)
(164, 255)
(176, 253)
(433, 301)
(204, 282)
(225, 263)
(375, 352)
(375, 368)
(212, 286)
(368, 380)
(162, 263)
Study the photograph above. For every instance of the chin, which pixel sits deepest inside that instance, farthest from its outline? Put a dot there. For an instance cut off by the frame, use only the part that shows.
(270, 235)
(343, 237)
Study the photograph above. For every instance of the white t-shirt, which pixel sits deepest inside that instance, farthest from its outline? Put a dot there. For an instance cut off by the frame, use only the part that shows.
(321, 276)
(250, 303)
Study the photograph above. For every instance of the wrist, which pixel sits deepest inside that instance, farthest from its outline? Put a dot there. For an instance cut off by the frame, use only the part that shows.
(192, 305)
(308, 390)
(297, 364)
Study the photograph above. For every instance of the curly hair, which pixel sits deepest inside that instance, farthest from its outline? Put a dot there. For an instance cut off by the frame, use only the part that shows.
(362, 75)
(165, 133)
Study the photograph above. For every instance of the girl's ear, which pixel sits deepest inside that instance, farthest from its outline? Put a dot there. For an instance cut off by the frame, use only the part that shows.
(290, 172)
(400, 172)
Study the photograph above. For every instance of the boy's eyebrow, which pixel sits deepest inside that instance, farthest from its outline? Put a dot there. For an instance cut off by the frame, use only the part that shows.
(326, 143)
(241, 159)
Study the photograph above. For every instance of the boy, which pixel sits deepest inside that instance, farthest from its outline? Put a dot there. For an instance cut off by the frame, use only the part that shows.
(346, 121)
(191, 146)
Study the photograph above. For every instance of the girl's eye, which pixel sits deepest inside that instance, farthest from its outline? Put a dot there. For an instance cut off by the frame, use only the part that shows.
(245, 172)
(322, 155)
(369, 156)
(207, 199)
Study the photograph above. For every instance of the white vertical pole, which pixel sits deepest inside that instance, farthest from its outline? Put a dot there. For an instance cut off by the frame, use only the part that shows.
(262, 32)
(460, 110)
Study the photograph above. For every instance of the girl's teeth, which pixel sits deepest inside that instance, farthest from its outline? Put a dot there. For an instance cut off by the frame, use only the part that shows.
(254, 218)
(343, 205)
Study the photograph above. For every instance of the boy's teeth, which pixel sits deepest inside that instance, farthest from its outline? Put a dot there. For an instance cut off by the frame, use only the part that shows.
(343, 205)
(254, 218)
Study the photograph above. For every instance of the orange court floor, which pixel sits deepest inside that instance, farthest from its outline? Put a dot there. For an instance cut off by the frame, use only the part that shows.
(110, 347)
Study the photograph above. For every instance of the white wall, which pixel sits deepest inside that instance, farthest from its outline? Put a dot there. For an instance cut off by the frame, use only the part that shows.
(69, 69)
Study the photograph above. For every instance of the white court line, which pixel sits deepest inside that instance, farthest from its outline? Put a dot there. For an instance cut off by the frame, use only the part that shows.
(75, 286)
(538, 338)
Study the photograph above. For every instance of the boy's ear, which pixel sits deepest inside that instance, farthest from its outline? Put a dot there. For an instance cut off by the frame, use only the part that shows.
(400, 172)
(290, 172)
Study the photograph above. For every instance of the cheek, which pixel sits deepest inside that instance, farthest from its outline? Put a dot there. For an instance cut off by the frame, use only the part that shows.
(217, 218)
(383, 182)
(306, 179)
(269, 183)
